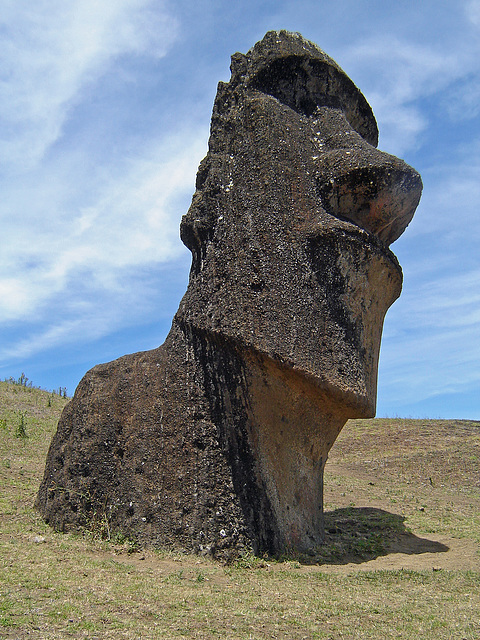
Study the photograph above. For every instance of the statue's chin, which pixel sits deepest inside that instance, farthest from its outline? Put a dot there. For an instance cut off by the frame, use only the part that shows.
(350, 393)
(335, 394)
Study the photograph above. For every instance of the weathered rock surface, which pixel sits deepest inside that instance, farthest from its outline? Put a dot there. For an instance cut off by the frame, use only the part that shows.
(216, 441)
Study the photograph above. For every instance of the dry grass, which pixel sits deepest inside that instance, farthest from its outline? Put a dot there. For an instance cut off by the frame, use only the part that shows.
(402, 499)
(424, 471)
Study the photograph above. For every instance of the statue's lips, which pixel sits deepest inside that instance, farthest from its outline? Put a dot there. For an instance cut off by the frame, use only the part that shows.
(379, 197)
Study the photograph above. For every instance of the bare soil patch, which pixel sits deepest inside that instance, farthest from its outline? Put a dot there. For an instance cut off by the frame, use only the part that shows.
(414, 482)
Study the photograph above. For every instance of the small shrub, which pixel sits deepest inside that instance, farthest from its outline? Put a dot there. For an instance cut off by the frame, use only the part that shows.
(249, 560)
(123, 540)
(22, 381)
(21, 431)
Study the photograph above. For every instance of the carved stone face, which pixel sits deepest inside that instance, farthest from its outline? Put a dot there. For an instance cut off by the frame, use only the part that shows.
(275, 344)
(291, 220)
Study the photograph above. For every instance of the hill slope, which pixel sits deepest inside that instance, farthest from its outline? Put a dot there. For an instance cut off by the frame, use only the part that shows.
(402, 560)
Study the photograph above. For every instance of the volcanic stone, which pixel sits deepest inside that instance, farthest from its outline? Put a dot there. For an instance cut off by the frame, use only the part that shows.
(216, 441)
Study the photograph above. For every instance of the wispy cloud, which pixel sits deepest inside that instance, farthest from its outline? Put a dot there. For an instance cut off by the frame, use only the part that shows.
(428, 364)
(78, 230)
(421, 91)
(403, 73)
(431, 342)
(472, 10)
(86, 312)
(395, 74)
(132, 222)
(52, 49)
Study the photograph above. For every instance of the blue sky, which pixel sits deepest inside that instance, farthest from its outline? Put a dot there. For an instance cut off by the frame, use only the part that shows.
(104, 117)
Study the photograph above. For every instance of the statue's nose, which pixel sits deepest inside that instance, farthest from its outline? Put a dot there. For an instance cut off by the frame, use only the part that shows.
(374, 190)
(357, 182)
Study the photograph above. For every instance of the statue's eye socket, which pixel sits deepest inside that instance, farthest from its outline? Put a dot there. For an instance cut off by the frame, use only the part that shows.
(297, 83)
(305, 85)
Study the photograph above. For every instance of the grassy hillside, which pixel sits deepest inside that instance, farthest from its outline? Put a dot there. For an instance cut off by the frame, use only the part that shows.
(402, 558)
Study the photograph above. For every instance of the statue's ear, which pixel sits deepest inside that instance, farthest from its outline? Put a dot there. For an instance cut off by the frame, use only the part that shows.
(198, 224)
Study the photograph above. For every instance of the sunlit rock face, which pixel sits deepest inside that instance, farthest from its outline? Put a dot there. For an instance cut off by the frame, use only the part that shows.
(216, 441)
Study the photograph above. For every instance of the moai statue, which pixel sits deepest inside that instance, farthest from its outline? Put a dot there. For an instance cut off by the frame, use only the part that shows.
(216, 441)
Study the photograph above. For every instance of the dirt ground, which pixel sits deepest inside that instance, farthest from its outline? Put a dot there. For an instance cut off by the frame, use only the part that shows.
(411, 487)
(426, 476)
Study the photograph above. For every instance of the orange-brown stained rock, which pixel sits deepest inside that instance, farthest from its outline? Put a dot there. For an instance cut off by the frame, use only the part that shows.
(216, 441)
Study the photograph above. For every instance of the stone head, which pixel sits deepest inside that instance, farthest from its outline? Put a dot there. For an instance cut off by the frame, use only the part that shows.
(291, 221)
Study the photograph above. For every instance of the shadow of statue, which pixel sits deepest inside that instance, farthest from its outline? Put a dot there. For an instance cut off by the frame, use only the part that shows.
(360, 534)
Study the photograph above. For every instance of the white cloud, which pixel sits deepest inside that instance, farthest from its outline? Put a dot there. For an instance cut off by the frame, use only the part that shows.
(431, 344)
(472, 10)
(395, 74)
(450, 301)
(61, 333)
(431, 341)
(77, 230)
(428, 364)
(86, 227)
(132, 222)
(448, 211)
(16, 298)
(85, 311)
(51, 49)
(462, 100)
